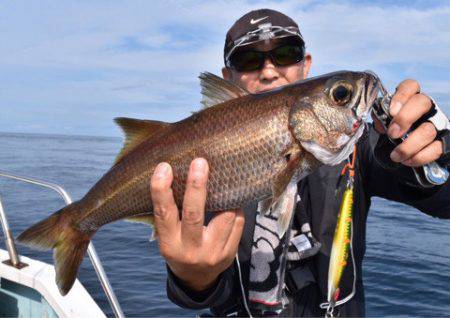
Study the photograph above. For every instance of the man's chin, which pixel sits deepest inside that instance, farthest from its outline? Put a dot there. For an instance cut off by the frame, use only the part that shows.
(265, 90)
(269, 88)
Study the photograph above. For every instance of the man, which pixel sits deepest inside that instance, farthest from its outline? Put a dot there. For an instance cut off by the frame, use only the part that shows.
(264, 50)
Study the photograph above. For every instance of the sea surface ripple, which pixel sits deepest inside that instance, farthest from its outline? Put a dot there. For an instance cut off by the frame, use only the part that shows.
(406, 268)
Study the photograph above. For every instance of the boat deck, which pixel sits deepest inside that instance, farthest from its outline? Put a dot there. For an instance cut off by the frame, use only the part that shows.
(32, 292)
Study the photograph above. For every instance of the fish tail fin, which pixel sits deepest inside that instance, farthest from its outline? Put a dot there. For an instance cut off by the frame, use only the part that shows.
(69, 244)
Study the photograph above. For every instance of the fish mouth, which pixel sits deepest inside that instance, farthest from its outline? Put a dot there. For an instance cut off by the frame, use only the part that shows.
(374, 86)
(371, 87)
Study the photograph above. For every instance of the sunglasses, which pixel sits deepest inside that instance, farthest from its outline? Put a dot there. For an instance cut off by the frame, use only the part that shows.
(248, 61)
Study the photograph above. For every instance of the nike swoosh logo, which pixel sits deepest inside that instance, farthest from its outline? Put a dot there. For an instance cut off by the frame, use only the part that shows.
(257, 20)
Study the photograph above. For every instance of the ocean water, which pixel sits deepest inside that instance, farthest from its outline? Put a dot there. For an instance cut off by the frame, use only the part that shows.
(406, 269)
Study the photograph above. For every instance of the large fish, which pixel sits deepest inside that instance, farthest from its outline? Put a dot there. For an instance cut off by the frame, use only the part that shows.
(258, 146)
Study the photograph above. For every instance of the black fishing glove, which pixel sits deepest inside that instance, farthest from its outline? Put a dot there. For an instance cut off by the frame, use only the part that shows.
(385, 146)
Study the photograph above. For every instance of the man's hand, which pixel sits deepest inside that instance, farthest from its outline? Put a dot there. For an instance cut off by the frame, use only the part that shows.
(195, 253)
(407, 106)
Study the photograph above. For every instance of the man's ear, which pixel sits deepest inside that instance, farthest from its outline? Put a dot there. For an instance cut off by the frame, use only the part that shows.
(226, 73)
(307, 64)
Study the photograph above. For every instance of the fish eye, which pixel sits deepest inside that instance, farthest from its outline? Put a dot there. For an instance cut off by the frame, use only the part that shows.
(341, 93)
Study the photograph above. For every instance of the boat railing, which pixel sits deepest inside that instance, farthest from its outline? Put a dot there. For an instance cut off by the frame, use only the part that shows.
(93, 256)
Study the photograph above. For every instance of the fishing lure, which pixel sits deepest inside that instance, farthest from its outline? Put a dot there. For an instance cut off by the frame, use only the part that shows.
(342, 243)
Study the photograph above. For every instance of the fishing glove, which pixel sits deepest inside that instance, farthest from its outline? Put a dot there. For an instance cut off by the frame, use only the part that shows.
(384, 146)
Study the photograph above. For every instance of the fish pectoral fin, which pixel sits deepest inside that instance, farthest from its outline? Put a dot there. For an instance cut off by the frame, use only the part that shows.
(136, 131)
(216, 90)
(148, 219)
(264, 206)
(284, 208)
(292, 155)
(284, 189)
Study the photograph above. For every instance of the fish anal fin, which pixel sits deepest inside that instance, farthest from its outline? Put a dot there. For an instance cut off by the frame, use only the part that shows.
(136, 131)
(148, 219)
(216, 90)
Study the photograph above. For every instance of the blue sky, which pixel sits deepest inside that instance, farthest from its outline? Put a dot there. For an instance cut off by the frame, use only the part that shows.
(71, 67)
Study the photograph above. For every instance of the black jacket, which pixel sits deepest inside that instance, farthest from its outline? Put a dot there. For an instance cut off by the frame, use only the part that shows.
(320, 204)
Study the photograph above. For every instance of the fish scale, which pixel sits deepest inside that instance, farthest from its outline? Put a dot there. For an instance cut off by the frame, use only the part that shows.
(256, 146)
(227, 163)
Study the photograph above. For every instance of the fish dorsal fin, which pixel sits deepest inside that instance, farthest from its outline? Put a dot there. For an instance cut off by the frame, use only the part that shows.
(216, 90)
(136, 131)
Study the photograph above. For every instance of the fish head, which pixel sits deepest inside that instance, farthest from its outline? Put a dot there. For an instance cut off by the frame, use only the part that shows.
(328, 116)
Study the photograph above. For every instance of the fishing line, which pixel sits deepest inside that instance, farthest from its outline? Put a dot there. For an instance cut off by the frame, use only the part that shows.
(244, 299)
(287, 239)
(283, 267)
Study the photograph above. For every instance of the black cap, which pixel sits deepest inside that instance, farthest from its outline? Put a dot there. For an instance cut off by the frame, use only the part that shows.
(258, 20)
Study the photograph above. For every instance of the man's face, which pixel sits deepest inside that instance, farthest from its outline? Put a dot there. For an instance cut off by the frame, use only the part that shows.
(270, 76)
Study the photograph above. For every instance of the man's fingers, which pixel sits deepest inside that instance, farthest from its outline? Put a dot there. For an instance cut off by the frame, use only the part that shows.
(220, 227)
(429, 154)
(236, 234)
(416, 107)
(405, 90)
(164, 207)
(193, 214)
(416, 141)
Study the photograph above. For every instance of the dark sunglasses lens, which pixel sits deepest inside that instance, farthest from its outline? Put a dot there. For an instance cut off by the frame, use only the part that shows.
(247, 61)
(287, 54)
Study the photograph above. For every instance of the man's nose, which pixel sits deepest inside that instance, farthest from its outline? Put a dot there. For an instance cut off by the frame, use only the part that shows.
(269, 71)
